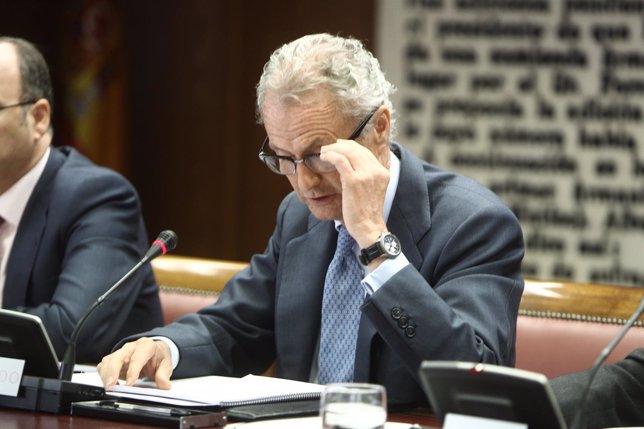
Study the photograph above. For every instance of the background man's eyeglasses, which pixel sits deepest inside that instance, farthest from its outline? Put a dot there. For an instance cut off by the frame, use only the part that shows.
(287, 165)
(22, 103)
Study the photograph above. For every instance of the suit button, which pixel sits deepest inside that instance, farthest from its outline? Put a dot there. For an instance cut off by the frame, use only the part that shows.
(410, 331)
(403, 322)
(396, 312)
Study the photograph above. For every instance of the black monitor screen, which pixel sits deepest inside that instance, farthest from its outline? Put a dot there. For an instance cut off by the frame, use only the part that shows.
(23, 336)
(491, 391)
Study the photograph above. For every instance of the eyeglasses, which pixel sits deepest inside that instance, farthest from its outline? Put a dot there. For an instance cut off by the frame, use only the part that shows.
(286, 165)
(22, 103)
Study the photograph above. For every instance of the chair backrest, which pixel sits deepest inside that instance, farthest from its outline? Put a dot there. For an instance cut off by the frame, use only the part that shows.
(563, 326)
(187, 284)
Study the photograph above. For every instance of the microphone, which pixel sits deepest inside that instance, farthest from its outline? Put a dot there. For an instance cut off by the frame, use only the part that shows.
(56, 395)
(578, 420)
(165, 242)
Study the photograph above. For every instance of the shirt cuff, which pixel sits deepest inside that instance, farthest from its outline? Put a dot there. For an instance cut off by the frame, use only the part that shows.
(389, 267)
(174, 350)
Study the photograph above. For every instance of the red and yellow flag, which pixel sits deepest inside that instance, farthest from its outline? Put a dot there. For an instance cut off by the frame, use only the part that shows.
(95, 81)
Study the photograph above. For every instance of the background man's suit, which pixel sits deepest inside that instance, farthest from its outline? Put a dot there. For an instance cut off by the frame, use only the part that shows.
(81, 231)
(458, 299)
(616, 397)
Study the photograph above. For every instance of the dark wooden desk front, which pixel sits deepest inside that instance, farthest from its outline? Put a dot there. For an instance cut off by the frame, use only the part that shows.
(16, 419)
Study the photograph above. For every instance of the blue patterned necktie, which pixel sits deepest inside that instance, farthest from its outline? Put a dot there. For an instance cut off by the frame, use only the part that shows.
(343, 296)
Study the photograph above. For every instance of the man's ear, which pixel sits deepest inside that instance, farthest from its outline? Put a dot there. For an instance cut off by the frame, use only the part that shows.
(383, 123)
(40, 114)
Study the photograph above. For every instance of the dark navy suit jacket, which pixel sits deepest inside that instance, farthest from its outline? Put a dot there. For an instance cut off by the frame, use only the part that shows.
(81, 231)
(458, 298)
(616, 396)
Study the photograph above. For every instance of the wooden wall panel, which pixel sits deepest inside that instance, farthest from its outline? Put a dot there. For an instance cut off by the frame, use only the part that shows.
(192, 140)
(194, 66)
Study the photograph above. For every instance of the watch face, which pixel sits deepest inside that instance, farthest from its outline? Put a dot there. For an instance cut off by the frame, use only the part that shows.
(391, 244)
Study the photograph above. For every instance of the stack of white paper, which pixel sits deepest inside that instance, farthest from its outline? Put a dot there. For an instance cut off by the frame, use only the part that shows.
(213, 390)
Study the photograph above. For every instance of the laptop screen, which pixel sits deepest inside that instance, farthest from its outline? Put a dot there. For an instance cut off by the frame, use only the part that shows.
(23, 336)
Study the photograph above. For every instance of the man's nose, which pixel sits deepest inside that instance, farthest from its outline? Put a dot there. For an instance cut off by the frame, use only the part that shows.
(306, 179)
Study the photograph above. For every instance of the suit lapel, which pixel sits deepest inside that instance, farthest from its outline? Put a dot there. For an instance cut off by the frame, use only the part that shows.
(306, 259)
(410, 221)
(410, 217)
(30, 230)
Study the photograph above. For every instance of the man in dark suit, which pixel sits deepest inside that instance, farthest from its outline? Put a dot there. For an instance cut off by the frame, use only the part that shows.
(616, 397)
(69, 229)
(439, 272)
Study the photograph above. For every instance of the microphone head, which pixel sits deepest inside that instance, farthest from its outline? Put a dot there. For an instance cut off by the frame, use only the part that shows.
(164, 243)
(169, 240)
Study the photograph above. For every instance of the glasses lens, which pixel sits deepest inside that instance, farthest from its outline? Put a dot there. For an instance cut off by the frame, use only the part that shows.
(286, 166)
(316, 165)
(278, 165)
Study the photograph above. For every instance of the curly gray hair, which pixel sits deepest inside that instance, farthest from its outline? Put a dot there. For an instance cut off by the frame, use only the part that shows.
(340, 65)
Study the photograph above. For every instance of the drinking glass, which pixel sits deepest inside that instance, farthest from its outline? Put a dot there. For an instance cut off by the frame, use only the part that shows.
(353, 406)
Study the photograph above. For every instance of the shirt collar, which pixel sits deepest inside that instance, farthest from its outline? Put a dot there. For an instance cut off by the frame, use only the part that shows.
(14, 200)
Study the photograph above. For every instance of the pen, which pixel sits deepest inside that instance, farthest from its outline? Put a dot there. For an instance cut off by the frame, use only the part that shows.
(145, 408)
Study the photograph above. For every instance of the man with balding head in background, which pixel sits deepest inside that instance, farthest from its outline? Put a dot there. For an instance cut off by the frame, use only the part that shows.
(68, 228)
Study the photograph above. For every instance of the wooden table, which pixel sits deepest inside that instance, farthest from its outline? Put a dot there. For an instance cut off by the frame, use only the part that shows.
(16, 419)
(421, 416)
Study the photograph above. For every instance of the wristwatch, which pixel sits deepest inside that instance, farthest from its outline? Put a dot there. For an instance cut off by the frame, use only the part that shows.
(387, 245)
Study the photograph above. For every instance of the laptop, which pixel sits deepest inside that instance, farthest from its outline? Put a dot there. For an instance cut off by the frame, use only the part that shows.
(491, 391)
(23, 336)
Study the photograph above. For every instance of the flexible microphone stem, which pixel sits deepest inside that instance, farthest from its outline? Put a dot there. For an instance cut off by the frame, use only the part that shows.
(578, 420)
(69, 359)
(165, 242)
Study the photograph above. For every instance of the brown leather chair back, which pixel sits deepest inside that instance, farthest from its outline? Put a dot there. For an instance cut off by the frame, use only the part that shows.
(187, 284)
(563, 326)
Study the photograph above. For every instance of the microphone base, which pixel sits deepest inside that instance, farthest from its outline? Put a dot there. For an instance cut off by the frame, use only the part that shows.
(50, 395)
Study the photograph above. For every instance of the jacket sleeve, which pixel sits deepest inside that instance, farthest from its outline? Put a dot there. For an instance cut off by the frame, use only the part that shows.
(94, 234)
(616, 395)
(234, 336)
(460, 299)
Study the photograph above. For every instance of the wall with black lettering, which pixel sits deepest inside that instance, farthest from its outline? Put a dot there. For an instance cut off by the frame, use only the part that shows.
(542, 101)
